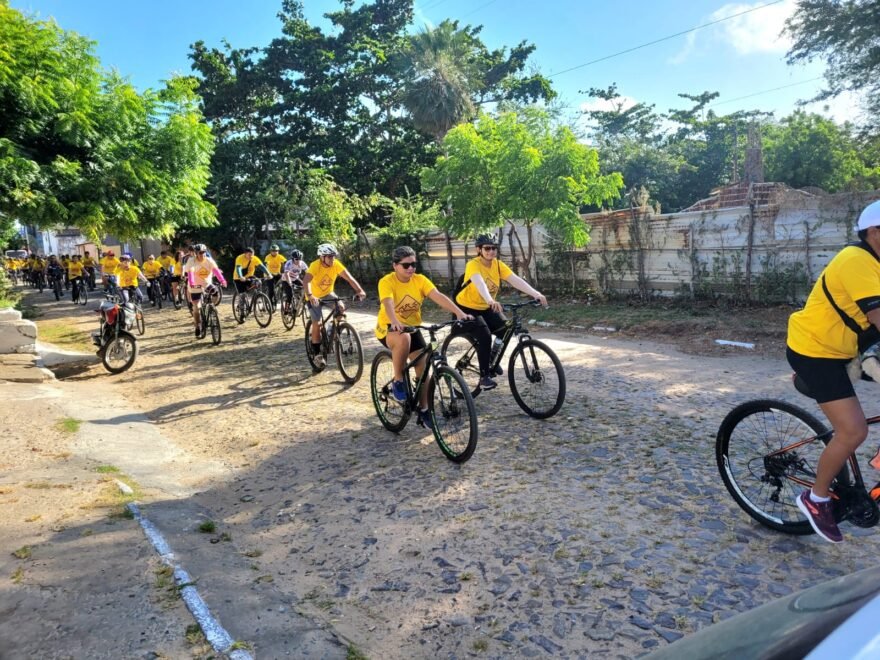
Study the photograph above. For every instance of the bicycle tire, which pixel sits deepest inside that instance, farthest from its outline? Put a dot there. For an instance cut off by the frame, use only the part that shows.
(157, 296)
(40, 283)
(531, 384)
(310, 354)
(392, 413)
(239, 307)
(349, 353)
(213, 320)
(767, 491)
(450, 402)
(288, 314)
(262, 309)
(83, 296)
(460, 352)
(139, 320)
(124, 348)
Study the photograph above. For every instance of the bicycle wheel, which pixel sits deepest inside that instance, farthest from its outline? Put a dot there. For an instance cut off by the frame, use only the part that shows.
(139, 320)
(460, 352)
(349, 353)
(262, 308)
(764, 481)
(157, 296)
(310, 352)
(213, 320)
(455, 416)
(288, 314)
(83, 296)
(120, 353)
(56, 289)
(392, 413)
(40, 283)
(536, 379)
(177, 300)
(239, 307)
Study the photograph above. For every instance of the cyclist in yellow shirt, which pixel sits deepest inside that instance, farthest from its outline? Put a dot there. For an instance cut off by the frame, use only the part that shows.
(401, 294)
(152, 269)
(129, 275)
(318, 285)
(109, 266)
(840, 320)
(247, 266)
(74, 276)
(274, 262)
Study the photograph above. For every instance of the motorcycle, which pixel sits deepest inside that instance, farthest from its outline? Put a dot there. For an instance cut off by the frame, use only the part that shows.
(117, 346)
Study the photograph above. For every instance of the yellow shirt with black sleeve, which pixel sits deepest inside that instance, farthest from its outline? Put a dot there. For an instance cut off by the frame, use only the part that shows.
(128, 277)
(109, 265)
(492, 276)
(274, 263)
(152, 269)
(74, 269)
(407, 297)
(853, 280)
(88, 262)
(324, 278)
(248, 268)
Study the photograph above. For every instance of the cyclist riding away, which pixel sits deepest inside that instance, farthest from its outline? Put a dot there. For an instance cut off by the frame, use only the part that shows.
(274, 264)
(840, 319)
(482, 280)
(128, 275)
(200, 271)
(318, 284)
(401, 293)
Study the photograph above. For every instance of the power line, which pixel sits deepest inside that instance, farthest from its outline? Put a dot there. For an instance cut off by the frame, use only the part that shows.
(431, 5)
(766, 91)
(483, 6)
(667, 38)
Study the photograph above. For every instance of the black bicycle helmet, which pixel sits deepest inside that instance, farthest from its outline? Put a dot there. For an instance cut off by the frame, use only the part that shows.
(486, 239)
(296, 255)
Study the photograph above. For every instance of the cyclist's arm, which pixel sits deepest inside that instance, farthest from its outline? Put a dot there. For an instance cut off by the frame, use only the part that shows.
(395, 325)
(446, 303)
(307, 286)
(478, 281)
(348, 277)
(520, 284)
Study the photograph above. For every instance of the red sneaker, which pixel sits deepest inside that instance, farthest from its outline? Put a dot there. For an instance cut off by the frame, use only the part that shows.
(821, 517)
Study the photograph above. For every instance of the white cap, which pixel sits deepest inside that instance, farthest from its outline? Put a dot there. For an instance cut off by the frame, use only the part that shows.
(870, 217)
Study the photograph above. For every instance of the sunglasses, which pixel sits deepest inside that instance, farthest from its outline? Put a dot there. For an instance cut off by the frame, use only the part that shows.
(407, 264)
(494, 248)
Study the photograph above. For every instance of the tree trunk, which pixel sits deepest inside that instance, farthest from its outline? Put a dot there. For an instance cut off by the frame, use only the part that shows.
(526, 256)
(449, 260)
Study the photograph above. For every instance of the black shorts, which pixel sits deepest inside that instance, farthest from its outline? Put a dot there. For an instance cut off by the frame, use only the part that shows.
(416, 341)
(825, 378)
(493, 319)
(195, 297)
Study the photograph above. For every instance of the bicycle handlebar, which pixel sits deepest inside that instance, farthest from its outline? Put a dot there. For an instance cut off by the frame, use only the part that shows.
(515, 306)
(410, 329)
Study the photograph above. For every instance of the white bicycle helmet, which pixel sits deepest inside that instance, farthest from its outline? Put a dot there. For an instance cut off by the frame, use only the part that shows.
(326, 249)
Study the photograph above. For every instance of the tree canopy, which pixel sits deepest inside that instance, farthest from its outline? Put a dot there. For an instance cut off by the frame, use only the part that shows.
(81, 147)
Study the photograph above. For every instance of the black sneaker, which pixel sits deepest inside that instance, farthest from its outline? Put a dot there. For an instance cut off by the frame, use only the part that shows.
(486, 383)
(198, 333)
(496, 370)
(820, 516)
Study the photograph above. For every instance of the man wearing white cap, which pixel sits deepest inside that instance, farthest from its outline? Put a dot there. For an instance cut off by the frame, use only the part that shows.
(839, 321)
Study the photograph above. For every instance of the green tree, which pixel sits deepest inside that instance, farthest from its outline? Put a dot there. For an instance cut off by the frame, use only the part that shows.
(519, 167)
(810, 150)
(81, 147)
(845, 36)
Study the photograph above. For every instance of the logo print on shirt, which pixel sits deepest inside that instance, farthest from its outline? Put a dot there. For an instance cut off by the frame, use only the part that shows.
(326, 282)
(408, 306)
(203, 272)
(493, 288)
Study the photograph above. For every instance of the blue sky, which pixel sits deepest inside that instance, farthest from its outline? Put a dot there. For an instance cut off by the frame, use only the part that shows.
(148, 41)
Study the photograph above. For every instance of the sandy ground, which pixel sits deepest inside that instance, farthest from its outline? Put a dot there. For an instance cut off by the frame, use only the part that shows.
(602, 532)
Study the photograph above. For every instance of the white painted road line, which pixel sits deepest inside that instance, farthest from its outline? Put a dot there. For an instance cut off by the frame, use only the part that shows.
(216, 635)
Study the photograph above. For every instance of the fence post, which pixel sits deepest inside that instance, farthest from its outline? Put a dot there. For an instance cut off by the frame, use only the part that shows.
(750, 243)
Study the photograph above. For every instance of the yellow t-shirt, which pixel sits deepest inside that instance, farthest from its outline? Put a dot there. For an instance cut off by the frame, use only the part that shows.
(88, 262)
(323, 278)
(168, 263)
(275, 263)
(242, 260)
(853, 280)
(128, 277)
(492, 276)
(109, 265)
(407, 297)
(152, 268)
(65, 262)
(74, 269)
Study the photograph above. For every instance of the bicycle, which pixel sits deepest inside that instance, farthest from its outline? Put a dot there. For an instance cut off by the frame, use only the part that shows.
(56, 283)
(253, 300)
(79, 293)
(535, 374)
(208, 313)
(135, 298)
(154, 293)
(340, 338)
(292, 306)
(450, 403)
(767, 452)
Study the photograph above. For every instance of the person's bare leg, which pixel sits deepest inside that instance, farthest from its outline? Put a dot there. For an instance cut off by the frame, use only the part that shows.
(850, 430)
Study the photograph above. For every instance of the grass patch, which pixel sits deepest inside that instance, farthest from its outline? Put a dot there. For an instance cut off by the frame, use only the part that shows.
(240, 646)
(354, 653)
(194, 635)
(61, 334)
(45, 485)
(18, 576)
(111, 497)
(253, 553)
(481, 646)
(68, 425)
(208, 527)
(33, 518)
(107, 469)
(24, 552)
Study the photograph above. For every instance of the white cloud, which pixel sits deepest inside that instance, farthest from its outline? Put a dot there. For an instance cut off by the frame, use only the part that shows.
(421, 18)
(758, 31)
(601, 105)
(843, 107)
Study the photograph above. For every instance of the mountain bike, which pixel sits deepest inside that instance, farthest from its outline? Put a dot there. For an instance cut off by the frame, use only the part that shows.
(56, 283)
(339, 337)
(253, 300)
(134, 300)
(450, 402)
(535, 374)
(79, 292)
(154, 293)
(292, 305)
(767, 452)
(208, 312)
